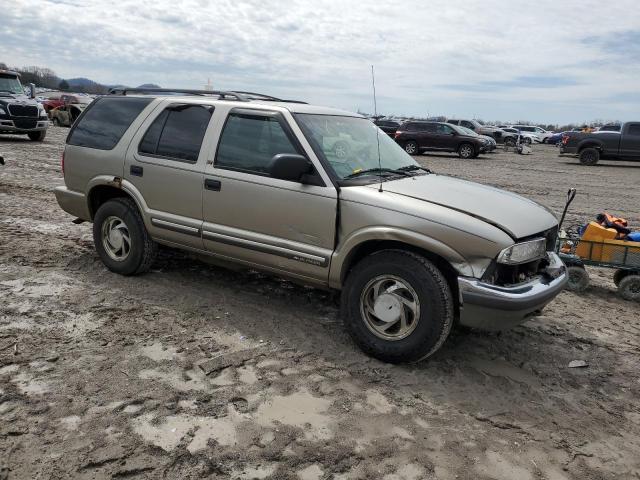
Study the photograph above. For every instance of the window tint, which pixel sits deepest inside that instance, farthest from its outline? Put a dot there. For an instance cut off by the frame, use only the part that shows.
(454, 122)
(444, 129)
(105, 121)
(177, 132)
(634, 129)
(249, 142)
(470, 125)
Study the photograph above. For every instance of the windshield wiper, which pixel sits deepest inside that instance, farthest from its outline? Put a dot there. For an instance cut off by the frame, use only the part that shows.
(413, 168)
(369, 171)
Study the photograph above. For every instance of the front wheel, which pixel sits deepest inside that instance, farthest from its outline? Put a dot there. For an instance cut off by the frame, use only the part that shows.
(466, 151)
(578, 279)
(397, 306)
(121, 239)
(37, 136)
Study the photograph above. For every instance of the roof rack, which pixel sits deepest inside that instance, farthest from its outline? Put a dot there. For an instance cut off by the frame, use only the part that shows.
(223, 95)
(220, 94)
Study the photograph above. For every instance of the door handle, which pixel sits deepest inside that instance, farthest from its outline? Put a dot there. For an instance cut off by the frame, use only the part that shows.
(211, 184)
(136, 170)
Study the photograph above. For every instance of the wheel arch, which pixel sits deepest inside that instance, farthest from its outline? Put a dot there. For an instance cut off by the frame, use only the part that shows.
(590, 144)
(105, 188)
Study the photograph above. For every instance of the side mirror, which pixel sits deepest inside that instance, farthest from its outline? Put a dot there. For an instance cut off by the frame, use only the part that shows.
(32, 90)
(289, 166)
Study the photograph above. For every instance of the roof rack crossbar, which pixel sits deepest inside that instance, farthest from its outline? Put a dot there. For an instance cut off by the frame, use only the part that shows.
(219, 93)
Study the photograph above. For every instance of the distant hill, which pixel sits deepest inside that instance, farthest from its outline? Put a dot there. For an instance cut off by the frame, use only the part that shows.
(149, 85)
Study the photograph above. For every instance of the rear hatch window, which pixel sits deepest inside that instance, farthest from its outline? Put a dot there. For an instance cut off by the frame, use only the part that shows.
(105, 121)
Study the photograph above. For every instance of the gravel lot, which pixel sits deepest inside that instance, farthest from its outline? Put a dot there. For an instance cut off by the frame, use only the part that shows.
(106, 377)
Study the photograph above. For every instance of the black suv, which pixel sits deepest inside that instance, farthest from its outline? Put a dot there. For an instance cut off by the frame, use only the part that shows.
(417, 137)
(388, 126)
(19, 113)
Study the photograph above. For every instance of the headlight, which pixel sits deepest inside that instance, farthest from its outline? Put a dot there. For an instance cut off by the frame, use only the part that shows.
(523, 252)
(41, 110)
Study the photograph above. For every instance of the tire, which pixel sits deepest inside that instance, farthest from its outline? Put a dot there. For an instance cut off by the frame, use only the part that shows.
(589, 156)
(428, 323)
(341, 149)
(526, 141)
(56, 122)
(619, 275)
(466, 151)
(141, 251)
(629, 288)
(578, 279)
(510, 142)
(411, 147)
(37, 136)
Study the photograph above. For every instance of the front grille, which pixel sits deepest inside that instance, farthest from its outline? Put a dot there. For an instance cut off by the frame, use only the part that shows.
(23, 111)
(25, 123)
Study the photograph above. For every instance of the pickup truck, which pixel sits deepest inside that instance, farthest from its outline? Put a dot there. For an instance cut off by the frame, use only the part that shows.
(596, 146)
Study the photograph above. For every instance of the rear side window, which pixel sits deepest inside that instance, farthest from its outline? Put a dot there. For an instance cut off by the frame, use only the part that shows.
(634, 129)
(248, 143)
(177, 133)
(105, 121)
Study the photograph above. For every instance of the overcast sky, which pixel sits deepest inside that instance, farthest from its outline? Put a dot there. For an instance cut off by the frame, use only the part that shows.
(510, 60)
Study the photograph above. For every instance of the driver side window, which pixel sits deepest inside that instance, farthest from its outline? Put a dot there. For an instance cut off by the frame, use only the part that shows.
(249, 142)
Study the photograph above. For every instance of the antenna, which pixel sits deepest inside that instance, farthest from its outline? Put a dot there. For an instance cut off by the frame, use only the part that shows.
(375, 114)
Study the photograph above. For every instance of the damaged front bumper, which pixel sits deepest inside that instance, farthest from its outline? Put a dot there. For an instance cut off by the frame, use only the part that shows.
(491, 307)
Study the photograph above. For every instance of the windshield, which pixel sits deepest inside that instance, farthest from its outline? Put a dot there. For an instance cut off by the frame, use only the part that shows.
(350, 145)
(467, 131)
(11, 85)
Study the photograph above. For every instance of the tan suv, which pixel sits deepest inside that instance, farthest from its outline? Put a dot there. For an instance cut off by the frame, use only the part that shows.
(259, 181)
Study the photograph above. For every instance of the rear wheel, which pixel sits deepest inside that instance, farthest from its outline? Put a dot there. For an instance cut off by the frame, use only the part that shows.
(121, 239)
(629, 288)
(510, 142)
(56, 122)
(466, 150)
(578, 279)
(619, 275)
(37, 136)
(397, 306)
(589, 156)
(526, 140)
(411, 147)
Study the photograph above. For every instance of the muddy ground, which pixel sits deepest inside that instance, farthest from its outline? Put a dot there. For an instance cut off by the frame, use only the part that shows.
(103, 376)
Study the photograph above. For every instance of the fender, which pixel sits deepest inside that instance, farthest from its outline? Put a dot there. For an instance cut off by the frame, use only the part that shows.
(125, 186)
(341, 256)
(591, 142)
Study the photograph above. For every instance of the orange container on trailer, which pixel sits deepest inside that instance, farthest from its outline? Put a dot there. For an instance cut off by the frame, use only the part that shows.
(598, 234)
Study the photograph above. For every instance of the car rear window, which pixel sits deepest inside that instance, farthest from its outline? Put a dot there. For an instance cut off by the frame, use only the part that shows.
(177, 133)
(634, 129)
(105, 121)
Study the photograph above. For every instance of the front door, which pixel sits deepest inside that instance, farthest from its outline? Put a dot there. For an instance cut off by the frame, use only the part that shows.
(266, 222)
(630, 141)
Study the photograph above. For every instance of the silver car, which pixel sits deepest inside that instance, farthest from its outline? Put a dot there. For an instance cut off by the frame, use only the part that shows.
(258, 181)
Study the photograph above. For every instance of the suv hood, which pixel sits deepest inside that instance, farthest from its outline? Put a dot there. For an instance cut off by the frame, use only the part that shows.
(519, 217)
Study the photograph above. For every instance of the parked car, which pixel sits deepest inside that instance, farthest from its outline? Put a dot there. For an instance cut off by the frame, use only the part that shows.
(527, 137)
(20, 114)
(480, 129)
(66, 115)
(418, 137)
(490, 143)
(55, 100)
(247, 181)
(612, 127)
(540, 133)
(556, 138)
(595, 146)
(388, 126)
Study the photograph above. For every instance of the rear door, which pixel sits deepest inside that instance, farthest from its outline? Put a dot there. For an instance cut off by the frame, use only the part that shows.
(165, 163)
(630, 141)
(284, 226)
